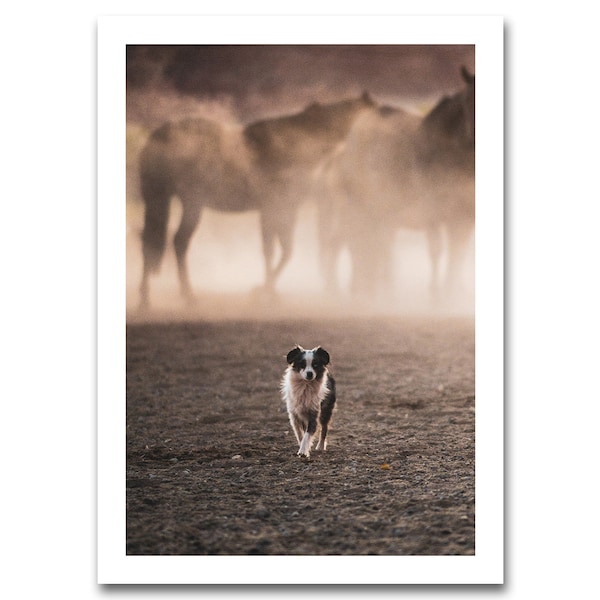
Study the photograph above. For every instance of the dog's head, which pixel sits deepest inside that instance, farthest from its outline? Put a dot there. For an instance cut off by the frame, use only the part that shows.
(309, 364)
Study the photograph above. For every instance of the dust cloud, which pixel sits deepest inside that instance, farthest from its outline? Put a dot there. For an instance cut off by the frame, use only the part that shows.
(225, 256)
(227, 271)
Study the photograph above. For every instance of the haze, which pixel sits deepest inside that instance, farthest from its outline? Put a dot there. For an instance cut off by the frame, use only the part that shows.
(236, 85)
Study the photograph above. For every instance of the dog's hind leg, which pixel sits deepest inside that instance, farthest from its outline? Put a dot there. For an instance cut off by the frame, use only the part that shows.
(322, 443)
(324, 420)
(327, 405)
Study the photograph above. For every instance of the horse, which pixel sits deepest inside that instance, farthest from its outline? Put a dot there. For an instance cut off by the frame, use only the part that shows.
(264, 166)
(400, 170)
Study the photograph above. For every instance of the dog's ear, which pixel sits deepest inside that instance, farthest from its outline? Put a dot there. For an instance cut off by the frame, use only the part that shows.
(322, 354)
(293, 354)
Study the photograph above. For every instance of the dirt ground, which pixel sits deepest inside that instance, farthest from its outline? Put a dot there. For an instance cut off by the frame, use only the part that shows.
(211, 458)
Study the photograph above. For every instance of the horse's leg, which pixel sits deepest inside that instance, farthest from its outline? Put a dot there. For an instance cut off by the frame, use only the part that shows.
(145, 288)
(157, 194)
(330, 245)
(276, 226)
(268, 243)
(434, 242)
(332, 225)
(285, 235)
(189, 221)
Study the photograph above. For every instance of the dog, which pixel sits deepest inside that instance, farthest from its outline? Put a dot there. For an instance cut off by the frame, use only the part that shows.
(308, 389)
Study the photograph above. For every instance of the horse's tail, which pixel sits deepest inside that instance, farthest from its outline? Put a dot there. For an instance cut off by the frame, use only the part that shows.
(157, 189)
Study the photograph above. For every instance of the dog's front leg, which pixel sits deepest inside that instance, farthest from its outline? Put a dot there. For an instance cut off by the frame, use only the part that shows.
(307, 439)
(297, 426)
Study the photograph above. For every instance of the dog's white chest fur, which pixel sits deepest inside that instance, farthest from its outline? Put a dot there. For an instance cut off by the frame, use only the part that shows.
(301, 395)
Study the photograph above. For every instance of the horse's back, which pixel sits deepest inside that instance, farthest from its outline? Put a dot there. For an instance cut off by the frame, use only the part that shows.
(304, 140)
(201, 159)
(446, 155)
(192, 140)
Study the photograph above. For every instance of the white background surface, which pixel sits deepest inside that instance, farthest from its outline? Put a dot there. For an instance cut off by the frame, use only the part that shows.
(48, 356)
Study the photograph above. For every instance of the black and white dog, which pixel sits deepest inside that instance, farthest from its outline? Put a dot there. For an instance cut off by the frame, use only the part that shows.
(308, 390)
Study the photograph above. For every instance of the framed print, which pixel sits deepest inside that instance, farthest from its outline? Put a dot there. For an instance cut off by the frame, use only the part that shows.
(300, 300)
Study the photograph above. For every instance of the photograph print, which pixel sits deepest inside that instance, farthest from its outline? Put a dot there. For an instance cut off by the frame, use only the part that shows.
(301, 318)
